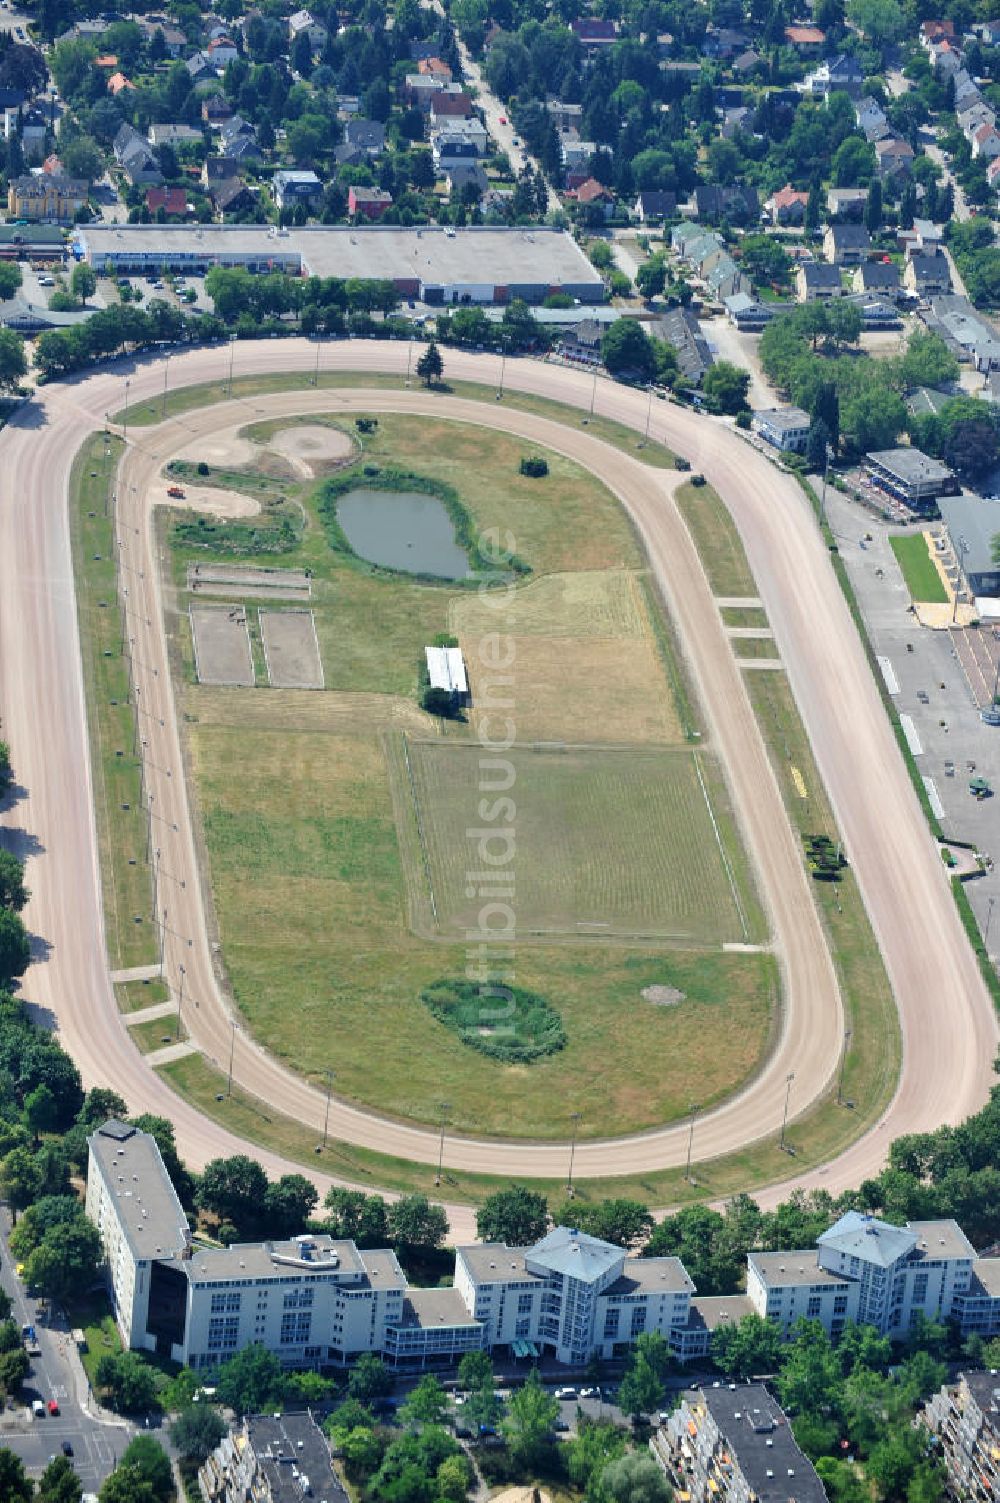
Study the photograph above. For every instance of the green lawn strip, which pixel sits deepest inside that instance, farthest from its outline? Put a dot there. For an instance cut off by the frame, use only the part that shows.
(121, 823)
(92, 1315)
(188, 398)
(743, 615)
(748, 649)
(156, 1034)
(922, 579)
(717, 540)
(873, 1057)
(133, 996)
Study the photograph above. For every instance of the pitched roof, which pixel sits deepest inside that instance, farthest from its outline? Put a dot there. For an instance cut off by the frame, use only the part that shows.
(805, 35)
(576, 1254)
(858, 1236)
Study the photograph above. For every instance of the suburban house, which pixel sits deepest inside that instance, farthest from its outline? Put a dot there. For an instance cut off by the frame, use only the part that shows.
(738, 201)
(846, 203)
(292, 188)
(964, 1419)
(369, 203)
(807, 40)
(305, 21)
(200, 67)
(877, 276)
(173, 135)
(986, 142)
(785, 428)
(231, 195)
(893, 157)
(591, 32)
(449, 103)
(170, 200)
(729, 1444)
(817, 279)
(135, 157)
(593, 194)
(787, 206)
(927, 276)
(216, 109)
(465, 178)
(910, 476)
(846, 244)
(564, 116)
(837, 74)
(680, 327)
(655, 204)
(46, 198)
(217, 170)
(871, 119)
(222, 51)
(451, 144)
(365, 135)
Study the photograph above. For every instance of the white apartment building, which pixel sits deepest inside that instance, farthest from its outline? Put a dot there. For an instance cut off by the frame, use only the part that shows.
(785, 428)
(866, 1270)
(571, 1295)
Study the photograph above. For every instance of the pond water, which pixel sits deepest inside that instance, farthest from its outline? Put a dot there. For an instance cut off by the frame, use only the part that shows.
(402, 530)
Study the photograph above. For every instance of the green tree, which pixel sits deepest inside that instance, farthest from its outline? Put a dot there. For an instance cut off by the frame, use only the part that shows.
(234, 1189)
(152, 1463)
(83, 281)
(10, 278)
(82, 157)
(288, 1204)
(752, 1345)
(626, 350)
(626, 1223)
(426, 1403)
(873, 207)
(369, 1379)
(452, 1481)
(430, 366)
(724, 387)
(841, 1481)
(40, 1111)
(128, 1383)
(14, 1366)
(126, 1484)
(633, 1479)
(197, 1431)
(15, 1485)
(20, 1179)
(843, 321)
(415, 1223)
(894, 1460)
(589, 1452)
(651, 278)
(251, 1381)
(363, 1219)
(517, 1216)
(13, 893)
(810, 1376)
(531, 1414)
(881, 21)
(59, 1482)
(66, 1260)
(475, 1370)
(765, 258)
(15, 947)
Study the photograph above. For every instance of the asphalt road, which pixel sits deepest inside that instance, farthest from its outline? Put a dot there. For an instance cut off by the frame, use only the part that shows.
(947, 1019)
(55, 1374)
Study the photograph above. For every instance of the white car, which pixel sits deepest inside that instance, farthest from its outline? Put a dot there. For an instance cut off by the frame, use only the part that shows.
(590, 1393)
(565, 1393)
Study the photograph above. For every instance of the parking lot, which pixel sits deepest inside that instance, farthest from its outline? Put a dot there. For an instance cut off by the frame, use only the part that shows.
(928, 674)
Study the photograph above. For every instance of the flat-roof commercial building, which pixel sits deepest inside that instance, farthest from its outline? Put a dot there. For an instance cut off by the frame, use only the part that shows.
(272, 1458)
(973, 525)
(440, 265)
(785, 428)
(911, 476)
(730, 1444)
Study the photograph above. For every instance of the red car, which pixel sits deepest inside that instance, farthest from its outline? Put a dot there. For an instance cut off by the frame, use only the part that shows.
(503, 119)
(53, 1407)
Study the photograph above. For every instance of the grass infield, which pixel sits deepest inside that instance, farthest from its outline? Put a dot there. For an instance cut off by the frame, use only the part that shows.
(922, 579)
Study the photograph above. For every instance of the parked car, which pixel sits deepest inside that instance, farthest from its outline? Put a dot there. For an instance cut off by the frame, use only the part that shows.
(53, 1407)
(565, 1393)
(67, 1448)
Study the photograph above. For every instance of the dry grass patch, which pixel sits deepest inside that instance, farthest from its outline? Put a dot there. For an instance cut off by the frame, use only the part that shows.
(604, 603)
(716, 539)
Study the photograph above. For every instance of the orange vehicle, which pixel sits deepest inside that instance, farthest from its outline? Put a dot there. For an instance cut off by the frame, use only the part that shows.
(175, 490)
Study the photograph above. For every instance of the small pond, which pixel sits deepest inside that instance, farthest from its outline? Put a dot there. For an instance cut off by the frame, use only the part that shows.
(402, 530)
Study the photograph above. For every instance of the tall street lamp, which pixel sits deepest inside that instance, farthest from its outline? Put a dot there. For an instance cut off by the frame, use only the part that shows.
(784, 1121)
(572, 1151)
(444, 1108)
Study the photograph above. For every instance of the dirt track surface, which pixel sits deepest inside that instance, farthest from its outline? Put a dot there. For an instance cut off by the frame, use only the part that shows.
(948, 1023)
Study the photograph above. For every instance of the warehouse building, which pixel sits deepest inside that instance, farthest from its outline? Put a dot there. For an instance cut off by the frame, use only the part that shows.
(443, 266)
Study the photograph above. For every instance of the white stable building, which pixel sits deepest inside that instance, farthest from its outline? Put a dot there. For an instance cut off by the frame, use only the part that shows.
(446, 670)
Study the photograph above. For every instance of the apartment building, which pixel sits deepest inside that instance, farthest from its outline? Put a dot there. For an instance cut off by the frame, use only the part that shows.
(46, 197)
(729, 1444)
(571, 1295)
(784, 428)
(272, 1458)
(965, 1419)
(867, 1271)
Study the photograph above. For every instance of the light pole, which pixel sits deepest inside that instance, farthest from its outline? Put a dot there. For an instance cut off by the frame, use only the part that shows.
(180, 1001)
(692, 1110)
(593, 393)
(843, 1067)
(784, 1121)
(989, 920)
(409, 360)
(232, 1052)
(822, 500)
(125, 419)
(326, 1116)
(649, 415)
(444, 1108)
(503, 367)
(232, 357)
(315, 381)
(163, 406)
(572, 1151)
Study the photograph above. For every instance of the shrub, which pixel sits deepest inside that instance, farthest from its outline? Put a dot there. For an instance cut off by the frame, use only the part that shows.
(681, 464)
(534, 466)
(202, 467)
(366, 424)
(744, 419)
(441, 702)
(505, 1022)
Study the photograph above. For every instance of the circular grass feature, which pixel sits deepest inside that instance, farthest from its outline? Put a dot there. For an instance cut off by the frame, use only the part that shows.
(507, 1023)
